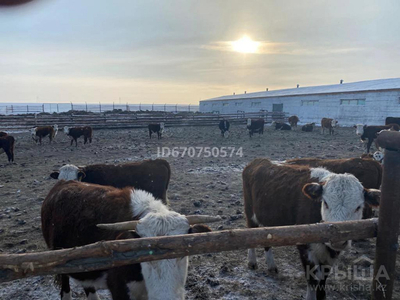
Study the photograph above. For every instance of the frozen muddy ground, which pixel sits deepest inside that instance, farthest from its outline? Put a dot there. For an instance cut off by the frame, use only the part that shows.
(210, 185)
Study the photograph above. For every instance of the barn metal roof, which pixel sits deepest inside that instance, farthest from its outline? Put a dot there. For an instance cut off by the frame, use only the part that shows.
(360, 86)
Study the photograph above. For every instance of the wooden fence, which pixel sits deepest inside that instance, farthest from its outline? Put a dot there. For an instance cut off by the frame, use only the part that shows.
(132, 120)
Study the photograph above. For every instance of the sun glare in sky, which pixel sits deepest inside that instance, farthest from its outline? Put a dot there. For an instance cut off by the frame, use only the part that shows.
(245, 45)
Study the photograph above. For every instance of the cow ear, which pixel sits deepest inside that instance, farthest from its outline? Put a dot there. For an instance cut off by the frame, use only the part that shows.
(81, 175)
(372, 197)
(313, 190)
(55, 174)
(199, 228)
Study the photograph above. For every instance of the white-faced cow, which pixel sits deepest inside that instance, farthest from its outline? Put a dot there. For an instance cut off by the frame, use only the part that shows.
(42, 131)
(156, 128)
(309, 127)
(293, 120)
(7, 144)
(368, 171)
(327, 123)
(280, 195)
(224, 127)
(75, 132)
(370, 133)
(280, 126)
(150, 175)
(70, 215)
(255, 125)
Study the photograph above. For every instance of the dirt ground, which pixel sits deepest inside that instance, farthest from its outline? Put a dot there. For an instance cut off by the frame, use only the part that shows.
(204, 185)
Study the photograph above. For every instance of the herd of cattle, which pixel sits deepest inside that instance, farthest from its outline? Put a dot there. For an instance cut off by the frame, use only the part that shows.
(108, 202)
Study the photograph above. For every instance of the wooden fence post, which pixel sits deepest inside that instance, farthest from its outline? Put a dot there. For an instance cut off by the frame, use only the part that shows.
(100, 106)
(389, 218)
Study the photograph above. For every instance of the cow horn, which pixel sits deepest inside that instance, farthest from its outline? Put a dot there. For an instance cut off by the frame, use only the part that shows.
(128, 225)
(197, 219)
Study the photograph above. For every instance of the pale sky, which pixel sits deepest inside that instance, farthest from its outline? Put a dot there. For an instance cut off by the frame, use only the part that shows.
(178, 51)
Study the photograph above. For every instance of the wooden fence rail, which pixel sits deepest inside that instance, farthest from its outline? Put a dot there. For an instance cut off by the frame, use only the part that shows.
(103, 255)
(113, 121)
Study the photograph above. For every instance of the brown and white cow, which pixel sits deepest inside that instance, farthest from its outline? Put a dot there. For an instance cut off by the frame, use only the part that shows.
(255, 125)
(42, 131)
(7, 145)
(327, 123)
(367, 171)
(150, 175)
(75, 132)
(156, 128)
(293, 120)
(280, 195)
(70, 214)
(370, 133)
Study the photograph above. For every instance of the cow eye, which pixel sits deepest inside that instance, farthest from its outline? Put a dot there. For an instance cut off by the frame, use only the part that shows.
(358, 208)
(326, 205)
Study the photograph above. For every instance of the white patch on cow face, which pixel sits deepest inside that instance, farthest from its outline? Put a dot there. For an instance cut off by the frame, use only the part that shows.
(360, 129)
(69, 172)
(378, 156)
(162, 127)
(164, 279)
(66, 129)
(334, 123)
(55, 126)
(33, 131)
(342, 198)
(320, 173)
(248, 122)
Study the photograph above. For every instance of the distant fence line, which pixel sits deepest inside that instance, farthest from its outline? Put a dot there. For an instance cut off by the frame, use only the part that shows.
(132, 120)
(29, 108)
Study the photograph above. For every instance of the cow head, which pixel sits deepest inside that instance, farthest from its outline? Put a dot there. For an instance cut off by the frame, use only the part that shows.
(69, 172)
(248, 122)
(359, 129)
(66, 129)
(165, 279)
(55, 127)
(334, 123)
(162, 127)
(378, 156)
(33, 133)
(342, 198)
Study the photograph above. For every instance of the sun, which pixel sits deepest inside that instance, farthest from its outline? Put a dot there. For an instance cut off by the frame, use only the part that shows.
(245, 45)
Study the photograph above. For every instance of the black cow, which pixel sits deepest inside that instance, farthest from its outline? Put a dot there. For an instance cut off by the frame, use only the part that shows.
(392, 120)
(281, 126)
(159, 128)
(224, 127)
(255, 125)
(309, 127)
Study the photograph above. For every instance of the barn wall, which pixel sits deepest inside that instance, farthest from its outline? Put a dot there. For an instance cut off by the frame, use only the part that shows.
(378, 106)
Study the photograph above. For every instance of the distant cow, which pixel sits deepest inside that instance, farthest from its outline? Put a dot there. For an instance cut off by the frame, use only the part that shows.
(367, 171)
(284, 195)
(255, 125)
(75, 132)
(371, 132)
(327, 123)
(281, 126)
(150, 175)
(224, 127)
(42, 131)
(309, 127)
(392, 120)
(159, 128)
(293, 120)
(7, 145)
(3, 134)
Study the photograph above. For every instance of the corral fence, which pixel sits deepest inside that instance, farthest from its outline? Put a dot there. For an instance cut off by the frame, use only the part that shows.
(108, 254)
(29, 108)
(131, 120)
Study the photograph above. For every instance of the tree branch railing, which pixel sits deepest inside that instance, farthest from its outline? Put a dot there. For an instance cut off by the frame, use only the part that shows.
(107, 254)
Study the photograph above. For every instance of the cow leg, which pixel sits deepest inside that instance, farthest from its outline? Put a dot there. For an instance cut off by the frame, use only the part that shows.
(251, 223)
(40, 140)
(150, 133)
(84, 140)
(10, 155)
(159, 135)
(76, 142)
(91, 293)
(269, 260)
(72, 141)
(369, 144)
(65, 288)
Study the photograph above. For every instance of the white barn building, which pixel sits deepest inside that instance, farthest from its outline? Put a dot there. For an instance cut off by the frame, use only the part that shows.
(364, 102)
